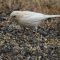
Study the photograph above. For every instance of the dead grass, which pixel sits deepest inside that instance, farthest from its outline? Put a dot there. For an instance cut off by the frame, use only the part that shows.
(45, 6)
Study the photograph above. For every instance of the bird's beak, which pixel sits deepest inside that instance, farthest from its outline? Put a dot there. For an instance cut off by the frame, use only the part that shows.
(11, 18)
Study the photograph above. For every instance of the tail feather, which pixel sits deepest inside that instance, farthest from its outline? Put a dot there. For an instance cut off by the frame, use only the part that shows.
(51, 16)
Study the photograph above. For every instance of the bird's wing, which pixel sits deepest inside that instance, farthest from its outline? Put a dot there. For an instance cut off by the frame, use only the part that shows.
(28, 15)
(31, 18)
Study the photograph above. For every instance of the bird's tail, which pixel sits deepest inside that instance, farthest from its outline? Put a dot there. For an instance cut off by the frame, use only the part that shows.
(51, 16)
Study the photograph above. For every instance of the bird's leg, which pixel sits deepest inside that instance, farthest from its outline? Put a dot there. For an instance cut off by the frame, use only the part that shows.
(35, 30)
(36, 33)
(24, 28)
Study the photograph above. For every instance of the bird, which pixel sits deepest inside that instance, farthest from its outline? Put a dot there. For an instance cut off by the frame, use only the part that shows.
(30, 18)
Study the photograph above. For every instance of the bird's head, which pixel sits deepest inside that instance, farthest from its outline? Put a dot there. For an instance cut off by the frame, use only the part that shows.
(14, 16)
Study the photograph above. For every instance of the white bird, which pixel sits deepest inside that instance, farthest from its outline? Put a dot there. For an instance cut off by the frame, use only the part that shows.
(28, 18)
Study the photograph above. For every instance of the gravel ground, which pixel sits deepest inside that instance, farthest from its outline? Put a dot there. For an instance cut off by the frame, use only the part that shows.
(19, 43)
